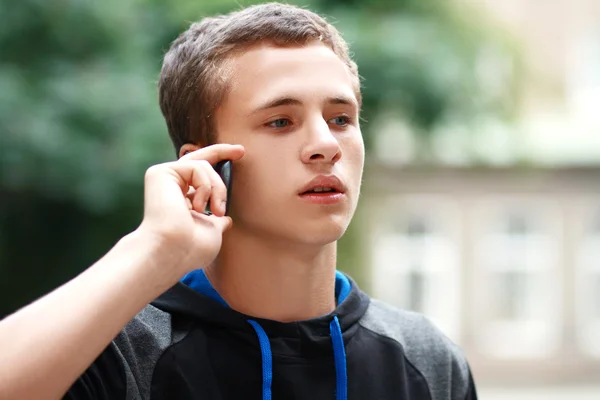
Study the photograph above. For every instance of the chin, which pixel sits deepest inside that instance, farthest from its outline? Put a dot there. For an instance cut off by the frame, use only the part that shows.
(297, 229)
(320, 232)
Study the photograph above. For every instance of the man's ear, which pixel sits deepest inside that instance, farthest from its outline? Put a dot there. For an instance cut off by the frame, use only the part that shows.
(188, 148)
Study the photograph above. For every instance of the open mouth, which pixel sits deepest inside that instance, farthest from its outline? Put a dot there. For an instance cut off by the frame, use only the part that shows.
(321, 190)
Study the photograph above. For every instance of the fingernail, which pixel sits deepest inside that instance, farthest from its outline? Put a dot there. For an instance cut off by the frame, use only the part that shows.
(224, 206)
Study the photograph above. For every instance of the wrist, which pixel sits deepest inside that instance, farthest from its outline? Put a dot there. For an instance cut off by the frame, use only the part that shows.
(162, 262)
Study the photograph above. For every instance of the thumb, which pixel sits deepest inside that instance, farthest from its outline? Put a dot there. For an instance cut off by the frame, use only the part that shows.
(223, 222)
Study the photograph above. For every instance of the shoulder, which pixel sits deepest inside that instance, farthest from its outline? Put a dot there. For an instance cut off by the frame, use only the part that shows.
(141, 343)
(124, 369)
(150, 328)
(416, 333)
(440, 361)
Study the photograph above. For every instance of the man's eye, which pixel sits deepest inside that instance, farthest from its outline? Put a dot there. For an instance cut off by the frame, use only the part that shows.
(279, 123)
(340, 121)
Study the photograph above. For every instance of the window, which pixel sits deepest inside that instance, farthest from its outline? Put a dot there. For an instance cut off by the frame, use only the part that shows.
(415, 260)
(416, 288)
(518, 288)
(417, 234)
(512, 279)
(588, 284)
(594, 283)
(512, 287)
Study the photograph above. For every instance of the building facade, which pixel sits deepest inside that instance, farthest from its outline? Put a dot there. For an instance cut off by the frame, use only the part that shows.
(506, 262)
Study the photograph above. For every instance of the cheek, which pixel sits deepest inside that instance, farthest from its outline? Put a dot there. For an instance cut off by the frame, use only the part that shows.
(257, 183)
(268, 160)
(353, 149)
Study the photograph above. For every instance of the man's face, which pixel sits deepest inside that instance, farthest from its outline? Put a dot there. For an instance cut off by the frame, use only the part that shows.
(295, 111)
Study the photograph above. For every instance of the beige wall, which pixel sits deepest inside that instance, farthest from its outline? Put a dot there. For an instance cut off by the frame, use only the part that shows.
(525, 307)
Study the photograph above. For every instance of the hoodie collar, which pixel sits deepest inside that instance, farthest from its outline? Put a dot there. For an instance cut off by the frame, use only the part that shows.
(313, 338)
(208, 306)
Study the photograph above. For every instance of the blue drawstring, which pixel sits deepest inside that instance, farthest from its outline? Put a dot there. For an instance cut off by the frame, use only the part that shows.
(267, 360)
(198, 281)
(339, 357)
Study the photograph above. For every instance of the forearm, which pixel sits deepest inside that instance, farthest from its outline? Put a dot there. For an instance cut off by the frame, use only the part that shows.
(46, 345)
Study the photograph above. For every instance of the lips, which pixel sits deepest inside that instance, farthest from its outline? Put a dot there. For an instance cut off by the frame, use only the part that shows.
(323, 185)
(323, 190)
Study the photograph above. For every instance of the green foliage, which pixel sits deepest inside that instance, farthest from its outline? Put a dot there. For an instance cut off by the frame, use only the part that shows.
(80, 123)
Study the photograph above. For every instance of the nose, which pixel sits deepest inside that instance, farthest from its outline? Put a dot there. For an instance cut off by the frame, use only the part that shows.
(321, 146)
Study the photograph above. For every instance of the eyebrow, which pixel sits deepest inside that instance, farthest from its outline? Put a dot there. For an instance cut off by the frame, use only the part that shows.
(290, 101)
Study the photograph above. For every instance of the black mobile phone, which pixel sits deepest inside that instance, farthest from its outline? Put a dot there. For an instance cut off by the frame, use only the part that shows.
(223, 168)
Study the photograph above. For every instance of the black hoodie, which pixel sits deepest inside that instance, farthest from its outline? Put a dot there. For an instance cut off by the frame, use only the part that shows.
(188, 344)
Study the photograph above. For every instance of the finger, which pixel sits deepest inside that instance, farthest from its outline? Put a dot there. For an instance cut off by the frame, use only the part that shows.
(223, 223)
(189, 198)
(191, 173)
(218, 195)
(200, 199)
(218, 191)
(202, 190)
(215, 153)
(190, 193)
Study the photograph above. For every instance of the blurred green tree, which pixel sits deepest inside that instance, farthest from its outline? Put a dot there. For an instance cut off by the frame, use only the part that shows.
(80, 123)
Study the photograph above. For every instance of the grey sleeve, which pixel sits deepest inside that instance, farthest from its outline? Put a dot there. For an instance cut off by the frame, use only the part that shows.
(440, 361)
(124, 369)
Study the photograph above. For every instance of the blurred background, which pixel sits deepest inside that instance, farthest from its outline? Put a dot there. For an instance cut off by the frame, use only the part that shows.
(481, 201)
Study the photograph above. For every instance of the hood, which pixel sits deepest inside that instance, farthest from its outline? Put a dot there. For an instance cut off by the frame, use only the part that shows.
(195, 296)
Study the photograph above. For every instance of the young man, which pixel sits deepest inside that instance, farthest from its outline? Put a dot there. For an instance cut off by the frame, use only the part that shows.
(248, 305)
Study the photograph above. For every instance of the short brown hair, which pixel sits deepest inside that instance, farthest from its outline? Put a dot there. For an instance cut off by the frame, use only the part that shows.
(193, 79)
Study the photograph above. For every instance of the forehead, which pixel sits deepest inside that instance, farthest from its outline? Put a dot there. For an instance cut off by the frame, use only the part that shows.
(308, 72)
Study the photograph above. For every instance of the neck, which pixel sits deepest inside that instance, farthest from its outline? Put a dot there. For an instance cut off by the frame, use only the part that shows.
(273, 279)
